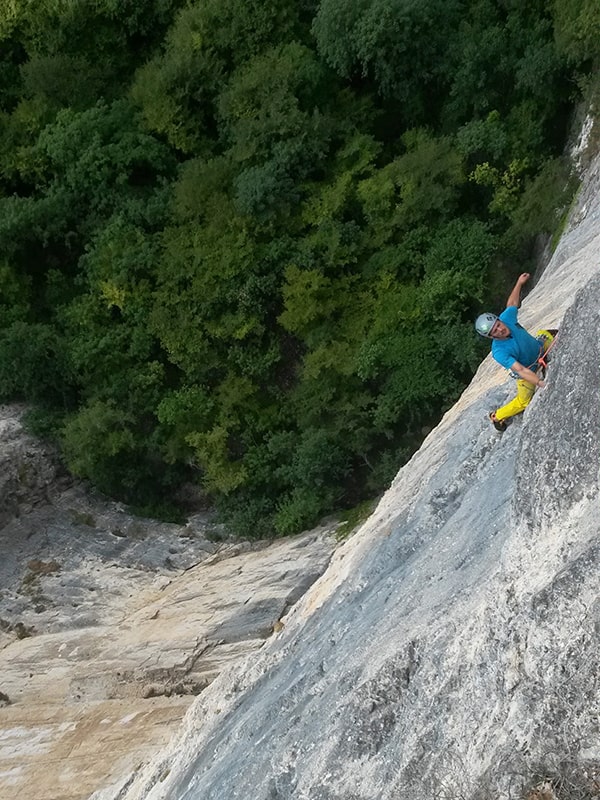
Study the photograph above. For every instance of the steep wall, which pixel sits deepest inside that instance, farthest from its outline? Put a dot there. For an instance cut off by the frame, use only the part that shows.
(450, 650)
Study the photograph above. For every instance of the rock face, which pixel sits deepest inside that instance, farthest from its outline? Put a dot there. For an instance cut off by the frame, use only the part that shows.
(28, 474)
(451, 648)
(111, 625)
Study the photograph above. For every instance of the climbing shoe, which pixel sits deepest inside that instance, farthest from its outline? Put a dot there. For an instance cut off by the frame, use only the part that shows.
(499, 424)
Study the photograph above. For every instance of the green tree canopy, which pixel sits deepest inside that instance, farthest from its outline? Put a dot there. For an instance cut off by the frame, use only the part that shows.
(243, 242)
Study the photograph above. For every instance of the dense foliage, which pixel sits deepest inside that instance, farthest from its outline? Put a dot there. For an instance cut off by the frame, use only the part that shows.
(241, 243)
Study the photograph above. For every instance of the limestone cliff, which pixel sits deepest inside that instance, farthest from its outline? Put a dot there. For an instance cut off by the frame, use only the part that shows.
(110, 625)
(451, 648)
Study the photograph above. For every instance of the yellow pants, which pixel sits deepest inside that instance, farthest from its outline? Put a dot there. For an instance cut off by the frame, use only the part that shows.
(525, 390)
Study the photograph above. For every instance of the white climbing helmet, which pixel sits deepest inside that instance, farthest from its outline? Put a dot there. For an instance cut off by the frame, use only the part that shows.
(484, 323)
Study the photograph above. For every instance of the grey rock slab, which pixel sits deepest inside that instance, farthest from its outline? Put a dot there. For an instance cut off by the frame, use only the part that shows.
(168, 640)
(110, 625)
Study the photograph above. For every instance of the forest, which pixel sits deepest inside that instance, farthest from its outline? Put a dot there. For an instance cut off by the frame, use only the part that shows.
(242, 243)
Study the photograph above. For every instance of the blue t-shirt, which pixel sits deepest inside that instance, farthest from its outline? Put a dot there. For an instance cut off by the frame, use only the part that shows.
(520, 345)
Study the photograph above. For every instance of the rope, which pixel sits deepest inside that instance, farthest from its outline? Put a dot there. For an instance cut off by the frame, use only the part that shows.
(543, 358)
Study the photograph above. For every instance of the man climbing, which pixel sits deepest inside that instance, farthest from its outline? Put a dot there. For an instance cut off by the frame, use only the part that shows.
(516, 350)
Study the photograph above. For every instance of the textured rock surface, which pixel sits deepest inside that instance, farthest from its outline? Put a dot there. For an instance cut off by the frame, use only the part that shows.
(451, 648)
(28, 473)
(110, 625)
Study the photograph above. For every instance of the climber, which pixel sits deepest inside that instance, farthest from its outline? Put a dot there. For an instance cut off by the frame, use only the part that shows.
(513, 347)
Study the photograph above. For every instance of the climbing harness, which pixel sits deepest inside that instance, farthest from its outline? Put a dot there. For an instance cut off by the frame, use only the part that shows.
(542, 360)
